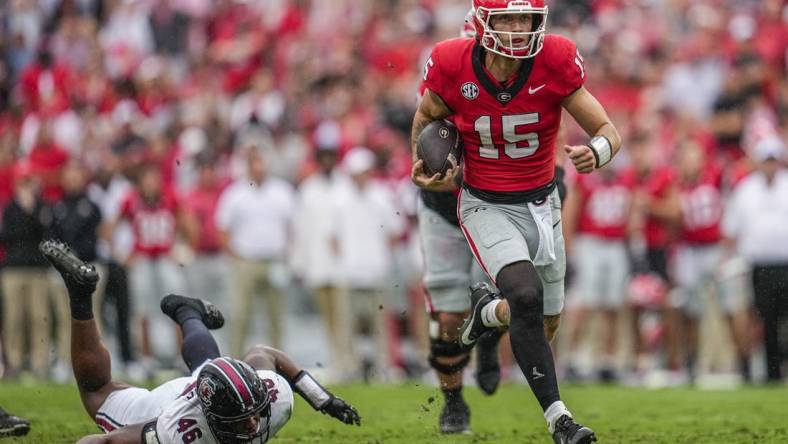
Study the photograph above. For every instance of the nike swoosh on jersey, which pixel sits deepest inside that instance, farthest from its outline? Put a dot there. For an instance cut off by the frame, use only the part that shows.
(535, 90)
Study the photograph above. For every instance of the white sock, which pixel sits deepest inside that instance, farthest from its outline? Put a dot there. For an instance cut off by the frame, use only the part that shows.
(555, 411)
(489, 319)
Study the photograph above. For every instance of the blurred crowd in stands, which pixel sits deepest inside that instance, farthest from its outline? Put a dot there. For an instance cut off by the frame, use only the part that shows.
(239, 151)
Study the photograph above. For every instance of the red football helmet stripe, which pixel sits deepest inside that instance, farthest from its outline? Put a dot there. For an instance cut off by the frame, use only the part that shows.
(237, 381)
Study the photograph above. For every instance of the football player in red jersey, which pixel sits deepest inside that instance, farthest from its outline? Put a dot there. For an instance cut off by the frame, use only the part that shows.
(654, 216)
(596, 215)
(506, 90)
(698, 261)
(156, 219)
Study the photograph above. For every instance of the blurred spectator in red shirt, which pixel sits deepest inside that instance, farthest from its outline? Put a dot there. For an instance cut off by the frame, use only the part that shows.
(47, 159)
(45, 84)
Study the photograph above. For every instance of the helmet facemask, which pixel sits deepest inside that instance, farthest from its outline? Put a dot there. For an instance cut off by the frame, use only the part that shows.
(502, 42)
(234, 430)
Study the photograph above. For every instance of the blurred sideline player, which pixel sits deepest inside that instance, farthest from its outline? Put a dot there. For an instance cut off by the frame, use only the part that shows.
(698, 262)
(449, 269)
(596, 216)
(654, 215)
(224, 400)
(505, 91)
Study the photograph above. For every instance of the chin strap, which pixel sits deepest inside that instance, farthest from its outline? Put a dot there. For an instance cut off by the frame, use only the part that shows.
(311, 390)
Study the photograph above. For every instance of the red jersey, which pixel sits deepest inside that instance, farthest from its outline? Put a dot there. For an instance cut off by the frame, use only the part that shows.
(701, 207)
(656, 185)
(201, 203)
(153, 224)
(509, 129)
(605, 208)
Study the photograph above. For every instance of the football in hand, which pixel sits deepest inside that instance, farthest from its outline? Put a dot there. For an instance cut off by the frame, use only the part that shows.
(439, 146)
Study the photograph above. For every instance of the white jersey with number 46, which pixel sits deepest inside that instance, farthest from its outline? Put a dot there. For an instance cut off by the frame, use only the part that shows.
(183, 422)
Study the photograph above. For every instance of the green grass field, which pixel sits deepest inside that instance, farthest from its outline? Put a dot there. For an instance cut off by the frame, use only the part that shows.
(408, 414)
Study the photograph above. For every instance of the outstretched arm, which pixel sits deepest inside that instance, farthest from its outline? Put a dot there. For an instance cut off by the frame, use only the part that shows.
(132, 434)
(591, 116)
(268, 358)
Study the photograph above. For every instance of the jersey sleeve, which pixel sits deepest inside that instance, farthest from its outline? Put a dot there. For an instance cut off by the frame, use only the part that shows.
(434, 77)
(571, 66)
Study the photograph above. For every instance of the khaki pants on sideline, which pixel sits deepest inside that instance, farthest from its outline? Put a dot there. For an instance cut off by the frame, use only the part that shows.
(335, 308)
(252, 278)
(60, 300)
(366, 308)
(25, 293)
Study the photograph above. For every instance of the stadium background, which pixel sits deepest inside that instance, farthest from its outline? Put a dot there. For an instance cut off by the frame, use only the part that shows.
(116, 88)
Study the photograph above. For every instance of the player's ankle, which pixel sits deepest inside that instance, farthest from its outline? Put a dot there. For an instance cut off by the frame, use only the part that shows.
(555, 411)
(452, 395)
(489, 315)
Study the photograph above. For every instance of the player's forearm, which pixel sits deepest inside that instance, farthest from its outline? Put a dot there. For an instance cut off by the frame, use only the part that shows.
(609, 131)
(94, 439)
(420, 121)
(431, 108)
(284, 365)
(667, 209)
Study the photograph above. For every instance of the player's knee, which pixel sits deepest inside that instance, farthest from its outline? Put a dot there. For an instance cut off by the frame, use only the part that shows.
(447, 356)
(449, 325)
(522, 287)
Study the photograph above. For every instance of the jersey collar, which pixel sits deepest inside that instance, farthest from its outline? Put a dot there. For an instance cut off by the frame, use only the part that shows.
(504, 94)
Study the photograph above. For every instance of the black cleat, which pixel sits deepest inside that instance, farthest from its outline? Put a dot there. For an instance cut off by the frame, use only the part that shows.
(11, 425)
(75, 271)
(211, 316)
(488, 369)
(567, 431)
(455, 417)
(473, 327)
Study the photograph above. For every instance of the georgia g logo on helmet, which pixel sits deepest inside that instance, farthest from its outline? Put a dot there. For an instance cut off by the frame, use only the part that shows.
(518, 45)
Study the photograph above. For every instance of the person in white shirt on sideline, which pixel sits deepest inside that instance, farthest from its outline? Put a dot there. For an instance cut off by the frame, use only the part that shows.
(367, 225)
(253, 217)
(755, 222)
(315, 255)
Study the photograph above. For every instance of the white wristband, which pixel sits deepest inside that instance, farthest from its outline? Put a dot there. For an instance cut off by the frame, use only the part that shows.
(311, 390)
(602, 150)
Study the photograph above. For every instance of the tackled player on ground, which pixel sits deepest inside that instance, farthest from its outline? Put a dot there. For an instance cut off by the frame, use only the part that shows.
(225, 400)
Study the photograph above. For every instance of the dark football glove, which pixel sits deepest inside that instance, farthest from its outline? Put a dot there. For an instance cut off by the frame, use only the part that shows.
(342, 411)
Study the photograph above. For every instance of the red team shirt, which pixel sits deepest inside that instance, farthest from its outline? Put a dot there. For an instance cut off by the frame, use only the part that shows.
(508, 130)
(605, 209)
(656, 185)
(153, 225)
(701, 207)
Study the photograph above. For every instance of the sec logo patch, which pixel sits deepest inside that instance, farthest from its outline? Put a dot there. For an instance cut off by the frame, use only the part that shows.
(469, 90)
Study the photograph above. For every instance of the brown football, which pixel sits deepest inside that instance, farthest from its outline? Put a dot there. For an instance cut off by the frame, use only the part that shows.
(439, 146)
